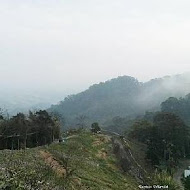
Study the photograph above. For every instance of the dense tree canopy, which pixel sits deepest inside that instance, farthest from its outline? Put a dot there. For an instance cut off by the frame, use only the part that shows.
(123, 96)
(23, 131)
(178, 106)
(101, 102)
(167, 138)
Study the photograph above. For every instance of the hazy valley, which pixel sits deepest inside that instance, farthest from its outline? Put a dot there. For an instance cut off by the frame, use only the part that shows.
(120, 130)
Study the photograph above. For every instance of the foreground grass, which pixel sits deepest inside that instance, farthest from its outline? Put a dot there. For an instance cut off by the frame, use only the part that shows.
(25, 170)
(87, 158)
(92, 164)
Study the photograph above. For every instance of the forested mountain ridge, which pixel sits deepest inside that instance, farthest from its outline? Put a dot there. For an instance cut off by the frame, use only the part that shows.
(179, 106)
(124, 96)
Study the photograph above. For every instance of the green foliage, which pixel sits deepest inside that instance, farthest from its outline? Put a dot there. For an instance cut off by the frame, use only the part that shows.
(141, 130)
(164, 178)
(186, 182)
(81, 121)
(119, 124)
(21, 170)
(180, 107)
(88, 170)
(101, 102)
(123, 96)
(23, 131)
(95, 128)
(80, 155)
(167, 138)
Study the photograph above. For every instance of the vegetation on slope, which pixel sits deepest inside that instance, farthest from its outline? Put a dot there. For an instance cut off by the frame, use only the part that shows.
(102, 101)
(85, 161)
(167, 139)
(21, 131)
(25, 170)
(178, 106)
(124, 96)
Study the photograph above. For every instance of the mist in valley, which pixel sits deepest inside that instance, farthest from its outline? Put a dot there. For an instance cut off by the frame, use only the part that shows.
(94, 94)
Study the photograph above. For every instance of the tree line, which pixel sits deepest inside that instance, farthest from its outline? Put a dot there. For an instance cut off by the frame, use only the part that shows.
(26, 131)
(167, 138)
(178, 106)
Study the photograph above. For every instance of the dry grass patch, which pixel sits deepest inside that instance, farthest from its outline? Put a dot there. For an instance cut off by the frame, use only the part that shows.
(53, 163)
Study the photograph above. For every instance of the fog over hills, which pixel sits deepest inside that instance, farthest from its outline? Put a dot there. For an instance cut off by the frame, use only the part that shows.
(123, 96)
(56, 45)
(15, 101)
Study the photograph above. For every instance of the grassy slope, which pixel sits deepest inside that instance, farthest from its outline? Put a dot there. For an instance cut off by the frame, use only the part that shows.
(88, 159)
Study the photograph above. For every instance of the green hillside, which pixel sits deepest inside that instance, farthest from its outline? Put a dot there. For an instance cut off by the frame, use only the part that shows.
(123, 96)
(84, 161)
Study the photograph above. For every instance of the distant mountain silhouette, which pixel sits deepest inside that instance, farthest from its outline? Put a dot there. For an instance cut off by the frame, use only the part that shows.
(124, 96)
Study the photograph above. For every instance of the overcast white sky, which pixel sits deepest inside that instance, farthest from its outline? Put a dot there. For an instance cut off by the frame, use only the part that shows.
(67, 45)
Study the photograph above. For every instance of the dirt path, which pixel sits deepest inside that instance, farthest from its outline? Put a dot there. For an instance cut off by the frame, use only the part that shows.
(177, 175)
(53, 163)
(70, 137)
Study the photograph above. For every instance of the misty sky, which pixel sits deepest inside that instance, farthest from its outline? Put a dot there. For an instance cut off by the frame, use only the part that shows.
(67, 45)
